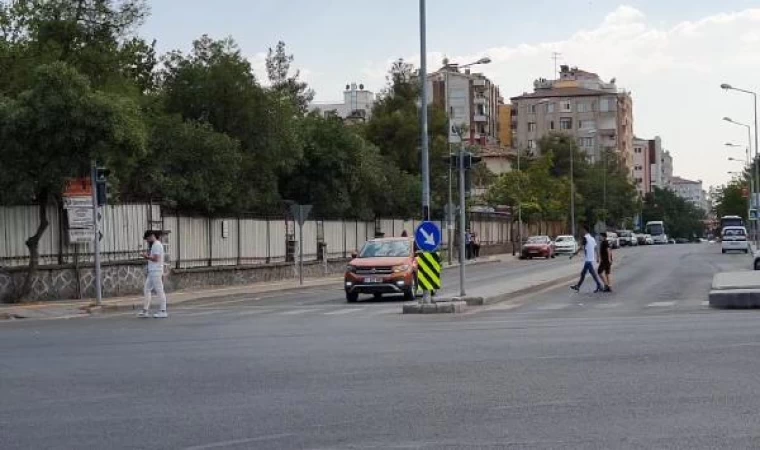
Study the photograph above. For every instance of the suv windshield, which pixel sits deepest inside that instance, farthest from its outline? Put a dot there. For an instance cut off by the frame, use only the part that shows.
(379, 249)
(537, 240)
(564, 238)
(730, 232)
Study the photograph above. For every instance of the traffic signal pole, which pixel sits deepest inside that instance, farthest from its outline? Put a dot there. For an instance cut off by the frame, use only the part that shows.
(462, 213)
(96, 233)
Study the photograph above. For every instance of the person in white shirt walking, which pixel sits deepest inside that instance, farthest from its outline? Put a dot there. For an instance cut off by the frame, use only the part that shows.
(154, 278)
(590, 257)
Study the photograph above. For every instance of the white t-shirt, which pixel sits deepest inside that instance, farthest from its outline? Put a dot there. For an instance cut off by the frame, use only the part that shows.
(590, 248)
(157, 249)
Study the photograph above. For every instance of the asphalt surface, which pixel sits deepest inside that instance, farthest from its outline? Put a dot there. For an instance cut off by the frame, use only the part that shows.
(648, 366)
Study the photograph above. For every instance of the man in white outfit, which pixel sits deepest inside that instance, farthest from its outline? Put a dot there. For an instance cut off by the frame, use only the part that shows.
(154, 278)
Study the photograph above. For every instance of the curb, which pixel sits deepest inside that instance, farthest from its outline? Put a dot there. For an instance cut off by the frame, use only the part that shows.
(439, 307)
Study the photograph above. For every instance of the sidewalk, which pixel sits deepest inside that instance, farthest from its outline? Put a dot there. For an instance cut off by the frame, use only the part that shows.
(67, 309)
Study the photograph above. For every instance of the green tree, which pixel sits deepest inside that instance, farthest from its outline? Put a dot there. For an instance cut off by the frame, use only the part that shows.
(395, 129)
(188, 166)
(215, 84)
(278, 71)
(682, 219)
(52, 132)
(730, 200)
(93, 36)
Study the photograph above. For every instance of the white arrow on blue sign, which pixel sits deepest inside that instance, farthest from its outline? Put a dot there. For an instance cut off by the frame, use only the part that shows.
(428, 237)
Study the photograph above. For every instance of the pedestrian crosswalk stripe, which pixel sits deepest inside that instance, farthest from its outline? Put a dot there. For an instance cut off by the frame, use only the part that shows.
(297, 311)
(660, 304)
(343, 311)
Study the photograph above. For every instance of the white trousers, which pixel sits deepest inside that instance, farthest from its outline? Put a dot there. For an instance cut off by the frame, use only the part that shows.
(154, 282)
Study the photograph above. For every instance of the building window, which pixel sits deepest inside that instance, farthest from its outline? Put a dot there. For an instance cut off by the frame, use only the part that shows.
(531, 126)
(586, 124)
(550, 108)
(532, 109)
(586, 142)
(607, 104)
(531, 144)
(566, 106)
(584, 107)
(551, 125)
(566, 123)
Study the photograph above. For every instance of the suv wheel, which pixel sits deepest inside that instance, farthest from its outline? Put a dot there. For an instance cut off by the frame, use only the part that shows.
(757, 264)
(352, 297)
(411, 293)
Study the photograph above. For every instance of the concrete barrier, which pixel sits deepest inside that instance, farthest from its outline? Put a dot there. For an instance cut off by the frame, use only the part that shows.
(735, 290)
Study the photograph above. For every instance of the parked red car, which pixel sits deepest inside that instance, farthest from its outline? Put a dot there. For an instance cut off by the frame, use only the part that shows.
(538, 247)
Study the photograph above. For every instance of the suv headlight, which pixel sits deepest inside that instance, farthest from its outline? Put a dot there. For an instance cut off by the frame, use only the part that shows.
(351, 269)
(401, 268)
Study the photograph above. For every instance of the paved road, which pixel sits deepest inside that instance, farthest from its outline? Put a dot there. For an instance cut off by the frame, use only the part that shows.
(646, 367)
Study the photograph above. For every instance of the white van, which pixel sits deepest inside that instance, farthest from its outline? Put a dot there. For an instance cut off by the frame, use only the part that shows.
(734, 239)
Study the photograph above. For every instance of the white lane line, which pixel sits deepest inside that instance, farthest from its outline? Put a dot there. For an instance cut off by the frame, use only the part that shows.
(706, 303)
(552, 307)
(340, 312)
(505, 307)
(384, 311)
(297, 311)
(607, 305)
(196, 314)
(660, 304)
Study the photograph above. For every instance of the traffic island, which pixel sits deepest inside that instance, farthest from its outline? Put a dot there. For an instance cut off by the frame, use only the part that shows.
(735, 290)
(440, 306)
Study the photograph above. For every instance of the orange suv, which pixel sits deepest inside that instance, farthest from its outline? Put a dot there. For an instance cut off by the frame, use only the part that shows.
(383, 266)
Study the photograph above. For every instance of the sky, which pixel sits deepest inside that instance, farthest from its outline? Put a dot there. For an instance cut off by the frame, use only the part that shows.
(672, 55)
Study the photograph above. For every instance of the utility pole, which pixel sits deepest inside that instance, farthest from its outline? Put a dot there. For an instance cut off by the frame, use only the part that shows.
(423, 117)
(462, 224)
(96, 232)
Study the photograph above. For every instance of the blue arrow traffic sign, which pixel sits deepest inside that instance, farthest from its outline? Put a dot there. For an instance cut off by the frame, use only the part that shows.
(428, 237)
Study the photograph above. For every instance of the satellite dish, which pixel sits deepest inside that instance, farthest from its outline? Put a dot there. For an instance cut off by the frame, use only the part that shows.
(348, 86)
(361, 86)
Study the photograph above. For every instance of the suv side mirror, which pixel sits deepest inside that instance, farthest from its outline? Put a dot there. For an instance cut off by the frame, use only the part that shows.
(354, 254)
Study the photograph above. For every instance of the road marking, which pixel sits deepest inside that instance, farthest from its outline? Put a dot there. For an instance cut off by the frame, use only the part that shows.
(340, 312)
(297, 311)
(505, 307)
(660, 304)
(384, 311)
(607, 305)
(552, 307)
(706, 303)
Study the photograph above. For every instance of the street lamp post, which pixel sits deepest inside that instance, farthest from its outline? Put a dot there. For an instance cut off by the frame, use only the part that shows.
(749, 146)
(450, 215)
(727, 87)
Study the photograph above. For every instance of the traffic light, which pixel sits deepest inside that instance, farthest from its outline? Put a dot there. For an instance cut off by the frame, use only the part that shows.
(101, 185)
(470, 159)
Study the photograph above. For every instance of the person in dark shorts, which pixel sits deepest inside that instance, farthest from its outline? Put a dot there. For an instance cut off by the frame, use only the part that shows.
(605, 262)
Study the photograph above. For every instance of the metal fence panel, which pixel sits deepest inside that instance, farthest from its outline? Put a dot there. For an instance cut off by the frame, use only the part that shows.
(335, 238)
(255, 241)
(194, 242)
(277, 239)
(19, 223)
(224, 242)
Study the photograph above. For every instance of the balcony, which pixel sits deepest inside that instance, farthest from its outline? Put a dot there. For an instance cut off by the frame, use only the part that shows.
(480, 118)
(479, 83)
(480, 100)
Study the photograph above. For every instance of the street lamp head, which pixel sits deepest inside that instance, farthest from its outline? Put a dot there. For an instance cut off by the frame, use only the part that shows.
(731, 144)
(484, 60)
(725, 86)
(728, 119)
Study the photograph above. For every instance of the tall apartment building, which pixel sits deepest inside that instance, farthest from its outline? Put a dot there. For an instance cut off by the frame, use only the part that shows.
(579, 103)
(643, 153)
(473, 102)
(505, 125)
(357, 104)
(690, 191)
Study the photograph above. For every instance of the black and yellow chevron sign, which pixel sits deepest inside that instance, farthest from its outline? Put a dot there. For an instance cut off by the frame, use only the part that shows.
(429, 271)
